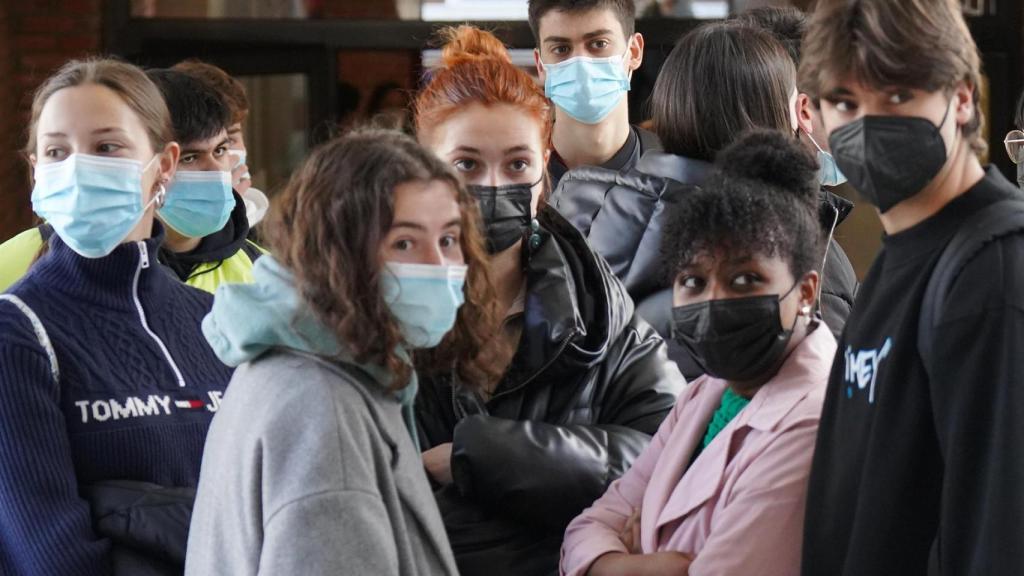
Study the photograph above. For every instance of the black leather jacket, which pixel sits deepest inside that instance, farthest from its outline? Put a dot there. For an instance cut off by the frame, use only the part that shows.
(589, 385)
(622, 215)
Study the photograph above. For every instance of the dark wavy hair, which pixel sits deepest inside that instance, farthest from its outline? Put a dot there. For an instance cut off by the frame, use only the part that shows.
(327, 228)
(720, 80)
(761, 199)
(197, 110)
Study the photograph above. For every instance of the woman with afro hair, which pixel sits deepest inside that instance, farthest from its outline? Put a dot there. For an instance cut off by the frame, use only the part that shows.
(721, 488)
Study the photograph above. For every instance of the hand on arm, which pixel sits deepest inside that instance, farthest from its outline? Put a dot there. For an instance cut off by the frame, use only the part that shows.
(630, 534)
(636, 562)
(438, 463)
(656, 564)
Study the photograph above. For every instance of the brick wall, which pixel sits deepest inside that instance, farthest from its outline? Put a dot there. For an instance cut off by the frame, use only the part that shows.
(36, 37)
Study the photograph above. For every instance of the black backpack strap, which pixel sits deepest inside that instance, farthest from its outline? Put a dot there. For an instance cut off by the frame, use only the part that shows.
(1001, 219)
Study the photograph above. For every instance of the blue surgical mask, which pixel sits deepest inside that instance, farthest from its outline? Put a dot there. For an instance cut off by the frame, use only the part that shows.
(92, 202)
(588, 89)
(241, 154)
(424, 298)
(198, 203)
(828, 171)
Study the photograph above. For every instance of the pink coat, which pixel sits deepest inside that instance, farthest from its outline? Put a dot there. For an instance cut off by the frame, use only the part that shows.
(739, 509)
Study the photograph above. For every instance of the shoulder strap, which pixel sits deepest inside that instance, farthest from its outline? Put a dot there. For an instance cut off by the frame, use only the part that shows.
(40, 330)
(1001, 219)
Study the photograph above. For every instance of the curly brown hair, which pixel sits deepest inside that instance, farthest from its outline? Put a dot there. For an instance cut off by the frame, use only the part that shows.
(327, 228)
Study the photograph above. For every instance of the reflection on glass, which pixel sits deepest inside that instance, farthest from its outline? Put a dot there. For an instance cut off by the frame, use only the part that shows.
(684, 9)
(455, 10)
(429, 10)
(222, 8)
(277, 9)
(376, 86)
(276, 131)
(522, 57)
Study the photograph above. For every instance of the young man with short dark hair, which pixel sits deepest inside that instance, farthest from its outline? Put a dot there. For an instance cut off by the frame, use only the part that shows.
(233, 93)
(201, 118)
(587, 51)
(918, 465)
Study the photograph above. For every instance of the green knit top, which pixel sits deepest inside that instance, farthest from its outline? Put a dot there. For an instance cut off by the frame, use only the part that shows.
(731, 405)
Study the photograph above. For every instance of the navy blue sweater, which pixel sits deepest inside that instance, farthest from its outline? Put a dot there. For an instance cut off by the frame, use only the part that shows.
(137, 389)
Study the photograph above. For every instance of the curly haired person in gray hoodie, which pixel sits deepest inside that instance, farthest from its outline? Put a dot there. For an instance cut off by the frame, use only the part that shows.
(312, 465)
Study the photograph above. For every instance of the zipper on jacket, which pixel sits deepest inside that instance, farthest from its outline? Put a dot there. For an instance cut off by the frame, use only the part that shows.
(143, 264)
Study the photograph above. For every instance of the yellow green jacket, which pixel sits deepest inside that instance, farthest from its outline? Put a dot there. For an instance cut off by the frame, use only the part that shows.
(221, 258)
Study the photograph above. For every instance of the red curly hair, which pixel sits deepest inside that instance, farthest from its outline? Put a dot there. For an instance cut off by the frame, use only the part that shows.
(476, 68)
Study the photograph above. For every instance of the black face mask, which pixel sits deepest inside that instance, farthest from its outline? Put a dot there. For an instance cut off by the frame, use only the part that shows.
(737, 339)
(505, 211)
(889, 159)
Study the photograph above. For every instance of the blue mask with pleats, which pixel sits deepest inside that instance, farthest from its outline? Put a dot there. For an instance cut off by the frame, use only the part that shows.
(424, 298)
(199, 203)
(828, 171)
(588, 89)
(92, 202)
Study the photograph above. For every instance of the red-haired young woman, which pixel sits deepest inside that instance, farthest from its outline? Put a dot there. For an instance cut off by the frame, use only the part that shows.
(580, 382)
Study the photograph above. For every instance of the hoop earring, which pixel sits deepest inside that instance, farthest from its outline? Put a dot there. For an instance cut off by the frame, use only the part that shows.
(161, 195)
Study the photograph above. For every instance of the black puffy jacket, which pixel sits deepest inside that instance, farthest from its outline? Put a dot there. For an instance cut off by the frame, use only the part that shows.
(588, 386)
(623, 217)
(146, 524)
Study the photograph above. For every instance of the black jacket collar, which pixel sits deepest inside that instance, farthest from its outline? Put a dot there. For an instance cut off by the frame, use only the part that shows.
(575, 307)
(833, 208)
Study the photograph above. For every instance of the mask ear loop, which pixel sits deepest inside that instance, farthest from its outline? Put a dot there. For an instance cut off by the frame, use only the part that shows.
(625, 59)
(161, 194)
(533, 240)
(828, 246)
(946, 115)
(815, 142)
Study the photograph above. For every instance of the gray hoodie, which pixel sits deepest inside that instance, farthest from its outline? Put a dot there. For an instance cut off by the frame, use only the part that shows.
(309, 467)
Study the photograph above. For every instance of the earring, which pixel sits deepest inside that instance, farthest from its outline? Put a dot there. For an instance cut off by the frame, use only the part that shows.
(161, 195)
(805, 310)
